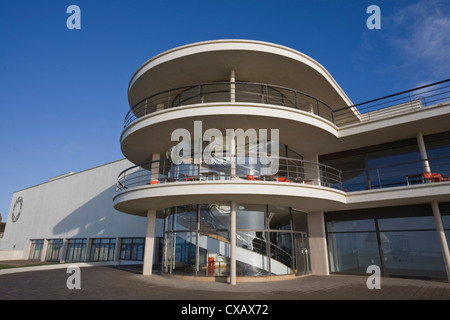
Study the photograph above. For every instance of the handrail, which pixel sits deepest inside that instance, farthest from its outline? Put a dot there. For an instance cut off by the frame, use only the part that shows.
(244, 92)
(401, 102)
(289, 170)
(395, 174)
(395, 104)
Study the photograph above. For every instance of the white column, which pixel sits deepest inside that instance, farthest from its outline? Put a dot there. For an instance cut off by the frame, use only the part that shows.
(63, 253)
(312, 171)
(232, 86)
(155, 167)
(44, 250)
(442, 237)
(318, 243)
(233, 243)
(423, 152)
(232, 145)
(149, 243)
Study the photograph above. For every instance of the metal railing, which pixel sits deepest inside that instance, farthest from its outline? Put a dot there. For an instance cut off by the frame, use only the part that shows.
(391, 105)
(395, 104)
(289, 170)
(396, 174)
(229, 92)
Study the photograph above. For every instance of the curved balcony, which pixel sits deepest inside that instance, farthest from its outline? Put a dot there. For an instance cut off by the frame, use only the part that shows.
(289, 170)
(229, 92)
(295, 183)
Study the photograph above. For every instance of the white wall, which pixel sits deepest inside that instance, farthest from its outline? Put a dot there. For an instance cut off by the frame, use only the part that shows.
(76, 206)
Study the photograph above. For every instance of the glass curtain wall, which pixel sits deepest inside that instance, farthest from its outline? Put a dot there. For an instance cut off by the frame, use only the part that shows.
(197, 240)
(402, 241)
(378, 166)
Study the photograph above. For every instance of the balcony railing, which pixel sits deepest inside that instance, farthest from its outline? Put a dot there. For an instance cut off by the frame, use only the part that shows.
(392, 105)
(395, 104)
(397, 174)
(229, 92)
(289, 171)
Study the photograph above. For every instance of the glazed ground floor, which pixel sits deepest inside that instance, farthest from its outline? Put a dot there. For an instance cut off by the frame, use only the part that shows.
(233, 240)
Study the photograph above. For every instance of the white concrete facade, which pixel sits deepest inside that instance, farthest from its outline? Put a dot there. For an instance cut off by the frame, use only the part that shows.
(75, 206)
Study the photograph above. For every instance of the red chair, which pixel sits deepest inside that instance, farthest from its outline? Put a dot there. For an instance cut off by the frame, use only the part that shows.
(435, 177)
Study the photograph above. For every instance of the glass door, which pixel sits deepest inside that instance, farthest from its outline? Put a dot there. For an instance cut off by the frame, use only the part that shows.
(301, 253)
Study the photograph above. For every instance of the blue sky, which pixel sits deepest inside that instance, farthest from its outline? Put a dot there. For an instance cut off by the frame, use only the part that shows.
(63, 93)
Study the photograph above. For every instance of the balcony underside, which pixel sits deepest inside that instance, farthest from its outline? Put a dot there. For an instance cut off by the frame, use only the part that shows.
(304, 132)
(307, 197)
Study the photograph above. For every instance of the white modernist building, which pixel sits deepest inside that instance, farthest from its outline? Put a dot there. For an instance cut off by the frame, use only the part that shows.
(246, 159)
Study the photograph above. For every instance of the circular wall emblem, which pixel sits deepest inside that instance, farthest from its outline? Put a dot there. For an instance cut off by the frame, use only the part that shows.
(17, 210)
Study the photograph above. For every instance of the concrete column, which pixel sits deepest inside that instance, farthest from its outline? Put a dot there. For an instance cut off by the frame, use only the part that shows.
(312, 172)
(232, 86)
(117, 251)
(155, 167)
(44, 250)
(423, 152)
(318, 243)
(233, 243)
(62, 257)
(442, 237)
(149, 243)
(87, 254)
(232, 144)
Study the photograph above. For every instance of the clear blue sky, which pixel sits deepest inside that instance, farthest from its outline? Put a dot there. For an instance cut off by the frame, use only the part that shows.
(63, 93)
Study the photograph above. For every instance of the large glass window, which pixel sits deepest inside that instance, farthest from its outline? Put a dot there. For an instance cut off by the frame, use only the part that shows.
(54, 250)
(402, 241)
(36, 249)
(76, 250)
(102, 249)
(378, 166)
(267, 240)
(132, 249)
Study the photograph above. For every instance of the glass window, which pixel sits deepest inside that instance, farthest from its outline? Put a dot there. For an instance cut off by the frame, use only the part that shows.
(132, 249)
(300, 221)
(252, 253)
(353, 252)
(54, 249)
(76, 250)
(36, 249)
(351, 225)
(185, 245)
(281, 252)
(185, 218)
(408, 223)
(102, 249)
(215, 217)
(414, 254)
(250, 217)
(279, 218)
